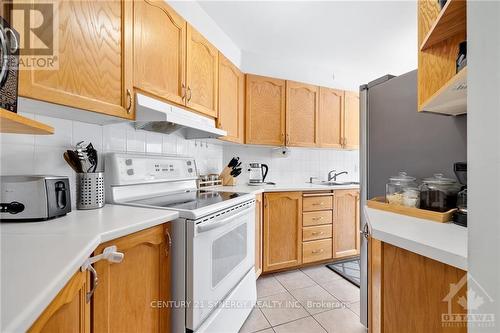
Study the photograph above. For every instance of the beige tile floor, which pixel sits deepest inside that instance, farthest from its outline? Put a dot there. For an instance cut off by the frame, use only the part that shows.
(308, 300)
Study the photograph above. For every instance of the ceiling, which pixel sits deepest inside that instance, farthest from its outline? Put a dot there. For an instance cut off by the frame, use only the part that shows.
(357, 41)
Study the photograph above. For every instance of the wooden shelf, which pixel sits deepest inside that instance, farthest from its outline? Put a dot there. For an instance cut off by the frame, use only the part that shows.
(451, 99)
(11, 122)
(451, 21)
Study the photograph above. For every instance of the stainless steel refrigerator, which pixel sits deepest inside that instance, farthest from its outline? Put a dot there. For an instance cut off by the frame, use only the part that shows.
(395, 137)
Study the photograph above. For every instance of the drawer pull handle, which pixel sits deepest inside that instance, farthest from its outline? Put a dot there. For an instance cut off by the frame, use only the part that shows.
(318, 204)
(317, 218)
(318, 233)
(318, 251)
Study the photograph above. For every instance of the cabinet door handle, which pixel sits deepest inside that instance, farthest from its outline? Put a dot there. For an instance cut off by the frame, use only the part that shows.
(287, 139)
(95, 282)
(190, 93)
(129, 101)
(169, 243)
(318, 251)
(183, 91)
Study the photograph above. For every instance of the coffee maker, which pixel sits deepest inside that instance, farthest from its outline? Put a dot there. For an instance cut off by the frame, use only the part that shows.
(460, 216)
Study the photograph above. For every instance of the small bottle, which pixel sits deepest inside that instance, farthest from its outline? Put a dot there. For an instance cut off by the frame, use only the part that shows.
(462, 56)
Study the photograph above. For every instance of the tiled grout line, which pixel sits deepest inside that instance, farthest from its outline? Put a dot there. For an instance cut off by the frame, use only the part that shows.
(288, 291)
(309, 314)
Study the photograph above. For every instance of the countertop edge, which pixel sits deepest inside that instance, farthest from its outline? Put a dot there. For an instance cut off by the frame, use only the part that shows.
(32, 312)
(418, 244)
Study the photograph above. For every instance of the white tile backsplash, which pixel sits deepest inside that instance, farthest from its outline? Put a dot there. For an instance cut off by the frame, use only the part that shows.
(299, 165)
(29, 154)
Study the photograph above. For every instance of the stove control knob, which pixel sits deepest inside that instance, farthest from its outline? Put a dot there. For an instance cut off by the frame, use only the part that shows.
(130, 172)
(128, 161)
(190, 170)
(188, 163)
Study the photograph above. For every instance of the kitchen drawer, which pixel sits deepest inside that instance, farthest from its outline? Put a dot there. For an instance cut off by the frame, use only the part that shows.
(317, 203)
(316, 250)
(316, 232)
(317, 218)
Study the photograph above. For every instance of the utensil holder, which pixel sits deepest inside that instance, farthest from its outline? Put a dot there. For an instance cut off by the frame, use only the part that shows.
(90, 190)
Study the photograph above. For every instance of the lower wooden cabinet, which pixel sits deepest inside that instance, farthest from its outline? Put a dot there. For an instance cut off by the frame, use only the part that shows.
(317, 250)
(346, 225)
(69, 311)
(282, 230)
(128, 295)
(258, 235)
(411, 293)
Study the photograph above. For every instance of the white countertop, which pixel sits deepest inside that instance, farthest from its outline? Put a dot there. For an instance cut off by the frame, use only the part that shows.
(444, 242)
(283, 187)
(38, 259)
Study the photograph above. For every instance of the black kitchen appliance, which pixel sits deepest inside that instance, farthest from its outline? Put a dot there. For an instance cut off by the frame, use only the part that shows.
(460, 217)
(9, 62)
(33, 198)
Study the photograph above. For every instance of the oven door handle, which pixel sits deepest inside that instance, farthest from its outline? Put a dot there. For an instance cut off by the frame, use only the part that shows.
(210, 226)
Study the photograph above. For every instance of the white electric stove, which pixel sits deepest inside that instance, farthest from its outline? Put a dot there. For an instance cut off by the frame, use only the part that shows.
(213, 241)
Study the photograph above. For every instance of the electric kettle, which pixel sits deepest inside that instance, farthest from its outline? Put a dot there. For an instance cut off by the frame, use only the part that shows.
(258, 173)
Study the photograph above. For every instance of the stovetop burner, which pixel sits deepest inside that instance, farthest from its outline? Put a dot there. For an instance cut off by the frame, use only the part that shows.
(188, 200)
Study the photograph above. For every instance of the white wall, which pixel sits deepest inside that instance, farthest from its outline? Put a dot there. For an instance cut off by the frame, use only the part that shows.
(192, 12)
(301, 164)
(483, 145)
(30, 154)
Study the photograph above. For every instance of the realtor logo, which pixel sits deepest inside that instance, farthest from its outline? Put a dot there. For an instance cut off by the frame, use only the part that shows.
(464, 306)
(37, 23)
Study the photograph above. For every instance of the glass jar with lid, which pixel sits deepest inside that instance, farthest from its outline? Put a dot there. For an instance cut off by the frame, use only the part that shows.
(395, 188)
(411, 197)
(439, 193)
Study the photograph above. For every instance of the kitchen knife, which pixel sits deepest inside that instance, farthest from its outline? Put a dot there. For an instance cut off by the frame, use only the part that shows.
(233, 162)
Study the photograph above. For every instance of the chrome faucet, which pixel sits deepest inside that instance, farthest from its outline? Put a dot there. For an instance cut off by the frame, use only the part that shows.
(335, 175)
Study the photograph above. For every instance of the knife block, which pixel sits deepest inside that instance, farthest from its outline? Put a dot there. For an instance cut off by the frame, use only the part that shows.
(227, 179)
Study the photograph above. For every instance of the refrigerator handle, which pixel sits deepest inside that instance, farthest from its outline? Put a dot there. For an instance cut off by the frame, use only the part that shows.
(365, 231)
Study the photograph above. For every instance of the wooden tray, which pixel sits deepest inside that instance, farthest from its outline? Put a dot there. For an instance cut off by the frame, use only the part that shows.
(379, 203)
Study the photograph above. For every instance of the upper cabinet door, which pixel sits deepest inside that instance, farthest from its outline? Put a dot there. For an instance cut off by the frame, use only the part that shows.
(231, 100)
(351, 120)
(159, 50)
(94, 57)
(202, 73)
(330, 117)
(265, 110)
(302, 101)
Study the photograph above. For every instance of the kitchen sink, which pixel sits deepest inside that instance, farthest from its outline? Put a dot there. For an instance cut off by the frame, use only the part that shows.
(332, 183)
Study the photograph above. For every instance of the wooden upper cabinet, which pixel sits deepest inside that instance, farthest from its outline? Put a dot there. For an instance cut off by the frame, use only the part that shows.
(231, 101)
(94, 58)
(124, 298)
(346, 210)
(302, 101)
(331, 104)
(351, 120)
(69, 311)
(282, 230)
(159, 50)
(202, 73)
(265, 110)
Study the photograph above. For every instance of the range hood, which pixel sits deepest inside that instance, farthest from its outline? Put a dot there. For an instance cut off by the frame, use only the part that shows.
(157, 116)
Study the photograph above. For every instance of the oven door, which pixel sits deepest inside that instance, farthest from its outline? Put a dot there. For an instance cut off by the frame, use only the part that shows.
(220, 252)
